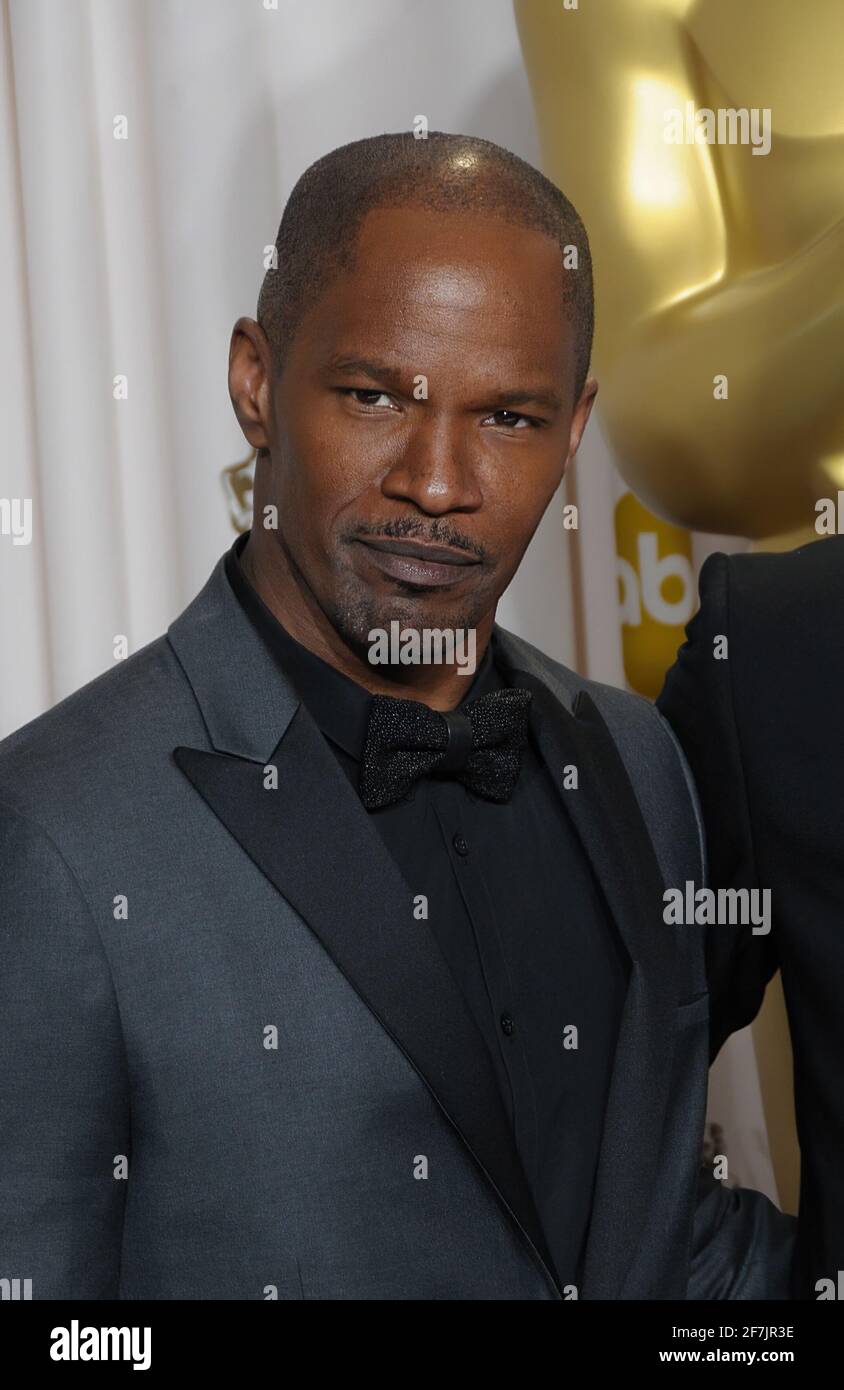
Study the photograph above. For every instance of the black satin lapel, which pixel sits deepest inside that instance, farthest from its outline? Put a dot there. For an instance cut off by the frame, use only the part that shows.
(611, 827)
(315, 843)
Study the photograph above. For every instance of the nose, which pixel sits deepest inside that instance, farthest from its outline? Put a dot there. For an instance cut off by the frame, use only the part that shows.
(436, 471)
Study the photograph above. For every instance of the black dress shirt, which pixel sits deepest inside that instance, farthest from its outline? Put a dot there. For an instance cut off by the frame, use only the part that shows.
(517, 914)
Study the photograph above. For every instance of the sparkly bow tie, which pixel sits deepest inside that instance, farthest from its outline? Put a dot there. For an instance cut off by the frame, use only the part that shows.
(480, 745)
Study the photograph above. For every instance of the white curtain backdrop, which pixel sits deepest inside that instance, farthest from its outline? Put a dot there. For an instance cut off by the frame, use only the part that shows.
(135, 256)
(132, 258)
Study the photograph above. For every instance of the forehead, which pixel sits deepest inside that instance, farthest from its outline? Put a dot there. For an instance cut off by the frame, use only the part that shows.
(430, 285)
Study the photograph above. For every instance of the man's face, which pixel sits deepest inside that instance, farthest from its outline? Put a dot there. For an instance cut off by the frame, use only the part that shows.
(423, 421)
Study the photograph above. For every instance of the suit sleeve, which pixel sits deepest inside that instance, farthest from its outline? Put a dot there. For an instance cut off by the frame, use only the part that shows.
(698, 700)
(742, 1245)
(64, 1113)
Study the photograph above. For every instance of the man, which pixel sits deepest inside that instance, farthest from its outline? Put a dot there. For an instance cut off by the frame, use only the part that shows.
(334, 979)
(755, 697)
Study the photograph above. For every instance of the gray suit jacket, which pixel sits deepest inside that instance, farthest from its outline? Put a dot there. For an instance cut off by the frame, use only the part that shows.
(161, 909)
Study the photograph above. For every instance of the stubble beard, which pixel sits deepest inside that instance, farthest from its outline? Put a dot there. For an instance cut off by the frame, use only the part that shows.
(357, 611)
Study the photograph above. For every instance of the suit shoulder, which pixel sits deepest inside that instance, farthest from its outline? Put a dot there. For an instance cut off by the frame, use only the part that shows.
(783, 584)
(92, 727)
(636, 725)
(652, 757)
(623, 704)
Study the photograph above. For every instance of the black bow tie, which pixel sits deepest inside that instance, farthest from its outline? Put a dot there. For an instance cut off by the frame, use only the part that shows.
(481, 745)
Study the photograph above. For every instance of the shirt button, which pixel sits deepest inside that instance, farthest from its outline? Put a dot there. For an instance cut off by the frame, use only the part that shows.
(506, 1024)
(461, 846)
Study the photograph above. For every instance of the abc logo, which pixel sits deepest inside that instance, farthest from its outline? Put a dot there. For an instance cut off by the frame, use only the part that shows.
(656, 592)
(653, 582)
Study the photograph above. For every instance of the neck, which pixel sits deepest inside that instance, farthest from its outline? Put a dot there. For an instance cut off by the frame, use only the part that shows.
(282, 588)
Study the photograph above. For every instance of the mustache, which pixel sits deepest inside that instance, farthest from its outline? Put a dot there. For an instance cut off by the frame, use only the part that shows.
(413, 528)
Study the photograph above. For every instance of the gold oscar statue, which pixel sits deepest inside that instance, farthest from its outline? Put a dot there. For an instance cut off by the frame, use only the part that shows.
(719, 261)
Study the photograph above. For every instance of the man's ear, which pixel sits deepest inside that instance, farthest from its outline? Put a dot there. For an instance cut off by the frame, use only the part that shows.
(580, 417)
(250, 381)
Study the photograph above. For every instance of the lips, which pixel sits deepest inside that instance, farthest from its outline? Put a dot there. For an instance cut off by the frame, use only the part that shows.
(418, 564)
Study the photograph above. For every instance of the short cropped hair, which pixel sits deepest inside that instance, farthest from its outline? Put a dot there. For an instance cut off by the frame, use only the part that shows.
(317, 237)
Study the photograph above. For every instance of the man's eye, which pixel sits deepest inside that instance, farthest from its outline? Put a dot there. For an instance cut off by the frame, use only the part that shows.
(365, 397)
(512, 420)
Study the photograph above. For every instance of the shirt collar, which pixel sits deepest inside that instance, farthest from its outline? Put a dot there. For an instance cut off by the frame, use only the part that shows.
(338, 704)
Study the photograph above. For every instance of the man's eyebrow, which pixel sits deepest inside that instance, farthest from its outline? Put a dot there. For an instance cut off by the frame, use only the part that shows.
(549, 399)
(366, 367)
(392, 376)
